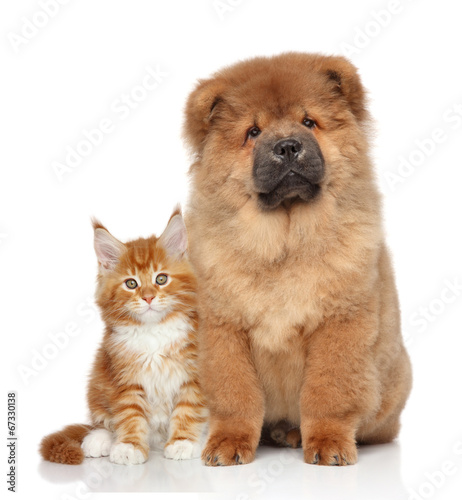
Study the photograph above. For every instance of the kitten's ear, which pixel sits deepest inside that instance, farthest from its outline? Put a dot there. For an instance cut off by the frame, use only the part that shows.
(108, 249)
(175, 238)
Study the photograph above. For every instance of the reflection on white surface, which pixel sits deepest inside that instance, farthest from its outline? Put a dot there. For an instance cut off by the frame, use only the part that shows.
(275, 473)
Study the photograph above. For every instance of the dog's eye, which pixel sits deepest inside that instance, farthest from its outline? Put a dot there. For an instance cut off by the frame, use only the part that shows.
(253, 132)
(308, 122)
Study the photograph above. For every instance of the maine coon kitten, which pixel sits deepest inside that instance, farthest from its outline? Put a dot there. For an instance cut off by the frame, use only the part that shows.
(143, 390)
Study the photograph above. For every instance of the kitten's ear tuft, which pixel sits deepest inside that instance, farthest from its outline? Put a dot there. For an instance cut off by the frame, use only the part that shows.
(97, 224)
(108, 249)
(176, 211)
(175, 238)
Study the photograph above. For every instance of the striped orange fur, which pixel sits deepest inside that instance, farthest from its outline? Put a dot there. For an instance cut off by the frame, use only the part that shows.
(143, 391)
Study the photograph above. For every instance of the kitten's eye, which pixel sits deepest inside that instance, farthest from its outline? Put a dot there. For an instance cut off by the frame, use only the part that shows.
(132, 284)
(253, 132)
(161, 279)
(308, 122)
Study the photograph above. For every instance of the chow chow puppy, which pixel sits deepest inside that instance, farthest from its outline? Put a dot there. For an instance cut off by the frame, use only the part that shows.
(299, 316)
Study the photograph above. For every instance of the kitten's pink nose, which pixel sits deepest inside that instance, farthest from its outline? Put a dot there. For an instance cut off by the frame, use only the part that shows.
(149, 299)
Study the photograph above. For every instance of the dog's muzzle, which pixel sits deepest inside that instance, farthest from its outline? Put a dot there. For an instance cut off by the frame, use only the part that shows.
(290, 169)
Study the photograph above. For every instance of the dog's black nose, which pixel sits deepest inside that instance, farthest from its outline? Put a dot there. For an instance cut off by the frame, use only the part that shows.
(287, 149)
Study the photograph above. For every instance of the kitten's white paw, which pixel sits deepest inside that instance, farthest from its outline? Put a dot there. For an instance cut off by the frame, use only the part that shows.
(183, 449)
(126, 454)
(97, 443)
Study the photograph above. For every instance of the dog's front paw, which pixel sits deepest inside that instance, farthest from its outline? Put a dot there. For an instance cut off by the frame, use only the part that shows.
(330, 451)
(126, 454)
(224, 449)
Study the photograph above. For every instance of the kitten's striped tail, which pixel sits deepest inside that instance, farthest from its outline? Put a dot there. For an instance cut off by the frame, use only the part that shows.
(65, 447)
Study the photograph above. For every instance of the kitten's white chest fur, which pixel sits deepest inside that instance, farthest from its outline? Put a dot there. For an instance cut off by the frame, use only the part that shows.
(160, 373)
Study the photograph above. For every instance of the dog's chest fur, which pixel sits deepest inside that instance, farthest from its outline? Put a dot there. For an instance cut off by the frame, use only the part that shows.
(278, 284)
(275, 305)
(283, 308)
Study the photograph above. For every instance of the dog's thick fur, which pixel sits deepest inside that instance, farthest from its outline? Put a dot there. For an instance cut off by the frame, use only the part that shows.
(299, 316)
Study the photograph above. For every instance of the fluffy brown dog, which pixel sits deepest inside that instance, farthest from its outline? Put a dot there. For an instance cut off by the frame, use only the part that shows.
(299, 316)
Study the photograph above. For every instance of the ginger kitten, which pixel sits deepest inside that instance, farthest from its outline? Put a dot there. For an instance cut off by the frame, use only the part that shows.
(143, 390)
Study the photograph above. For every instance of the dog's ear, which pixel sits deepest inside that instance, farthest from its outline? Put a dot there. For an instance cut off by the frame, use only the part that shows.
(200, 109)
(345, 81)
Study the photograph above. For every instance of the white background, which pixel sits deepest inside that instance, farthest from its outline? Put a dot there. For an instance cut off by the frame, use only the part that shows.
(72, 72)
